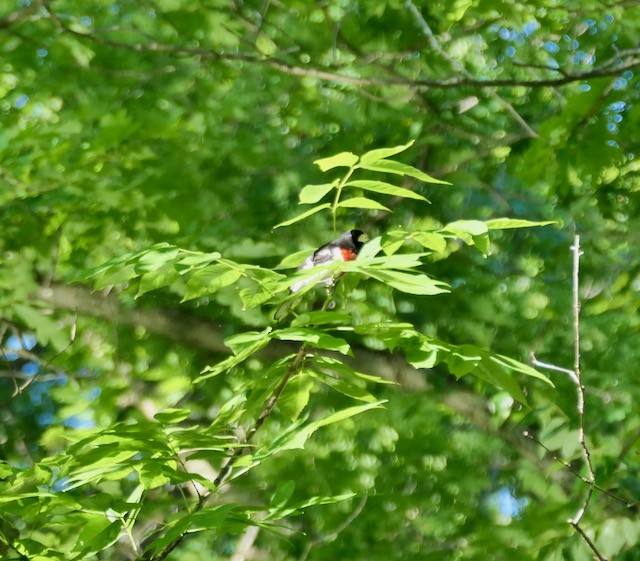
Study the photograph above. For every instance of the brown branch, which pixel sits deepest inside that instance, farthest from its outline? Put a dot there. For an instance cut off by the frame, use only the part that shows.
(625, 60)
(176, 326)
(424, 26)
(588, 541)
(330, 536)
(628, 504)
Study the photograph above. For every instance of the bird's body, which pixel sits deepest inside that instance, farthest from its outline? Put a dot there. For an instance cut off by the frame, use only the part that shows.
(344, 248)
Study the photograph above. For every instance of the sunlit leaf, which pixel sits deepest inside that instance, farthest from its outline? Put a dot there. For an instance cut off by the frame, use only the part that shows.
(313, 193)
(398, 168)
(386, 189)
(505, 223)
(343, 159)
(382, 153)
(303, 215)
(363, 202)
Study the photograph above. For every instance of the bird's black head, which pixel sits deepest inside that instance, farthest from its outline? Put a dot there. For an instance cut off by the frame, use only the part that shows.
(353, 240)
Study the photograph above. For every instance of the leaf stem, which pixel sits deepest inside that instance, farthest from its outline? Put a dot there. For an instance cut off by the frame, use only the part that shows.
(336, 200)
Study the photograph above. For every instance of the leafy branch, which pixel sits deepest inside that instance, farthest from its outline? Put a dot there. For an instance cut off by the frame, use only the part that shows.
(157, 451)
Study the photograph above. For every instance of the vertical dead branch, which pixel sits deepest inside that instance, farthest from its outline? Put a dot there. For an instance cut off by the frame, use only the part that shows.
(576, 378)
(591, 477)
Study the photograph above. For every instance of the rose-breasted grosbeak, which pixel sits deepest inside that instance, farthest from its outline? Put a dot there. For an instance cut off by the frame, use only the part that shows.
(345, 248)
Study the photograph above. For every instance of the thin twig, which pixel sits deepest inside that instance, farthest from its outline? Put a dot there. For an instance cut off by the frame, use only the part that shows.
(588, 541)
(549, 366)
(579, 386)
(424, 26)
(43, 365)
(527, 434)
(575, 521)
(576, 377)
(333, 535)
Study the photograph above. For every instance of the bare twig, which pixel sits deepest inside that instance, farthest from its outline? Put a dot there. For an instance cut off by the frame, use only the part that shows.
(424, 26)
(591, 477)
(579, 386)
(576, 377)
(553, 367)
(527, 434)
(588, 541)
(43, 365)
(333, 535)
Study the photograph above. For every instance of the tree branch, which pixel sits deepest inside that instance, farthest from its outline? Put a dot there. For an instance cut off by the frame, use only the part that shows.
(615, 66)
(424, 26)
(292, 370)
(575, 521)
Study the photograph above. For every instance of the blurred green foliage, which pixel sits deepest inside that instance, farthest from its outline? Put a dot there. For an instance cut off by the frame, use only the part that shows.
(147, 149)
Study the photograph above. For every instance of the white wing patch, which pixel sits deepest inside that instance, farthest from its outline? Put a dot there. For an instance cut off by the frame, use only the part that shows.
(322, 256)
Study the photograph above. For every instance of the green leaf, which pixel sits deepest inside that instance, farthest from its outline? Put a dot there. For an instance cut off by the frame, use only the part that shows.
(363, 202)
(465, 228)
(346, 387)
(172, 416)
(430, 240)
(336, 365)
(294, 260)
(295, 396)
(399, 261)
(313, 193)
(173, 531)
(241, 341)
(410, 283)
(303, 215)
(163, 277)
(521, 367)
(321, 318)
(97, 534)
(232, 361)
(212, 518)
(398, 168)
(298, 439)
(47, 329)
(382, 153)
(284, 491)
(370, 249)
(313, 337)
(385, 188)
(211, 279)
(265, 45)
(343, 159)
(154, 258)
(281, 511)
(506, 223)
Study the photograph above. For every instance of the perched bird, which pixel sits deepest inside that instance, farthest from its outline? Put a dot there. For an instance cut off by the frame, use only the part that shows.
(345, 248)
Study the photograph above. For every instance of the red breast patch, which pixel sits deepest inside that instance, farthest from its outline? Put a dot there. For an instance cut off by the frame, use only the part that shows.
(347, 254)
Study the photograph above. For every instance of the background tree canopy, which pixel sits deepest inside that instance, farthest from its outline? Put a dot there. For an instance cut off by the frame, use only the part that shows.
(151, 406)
